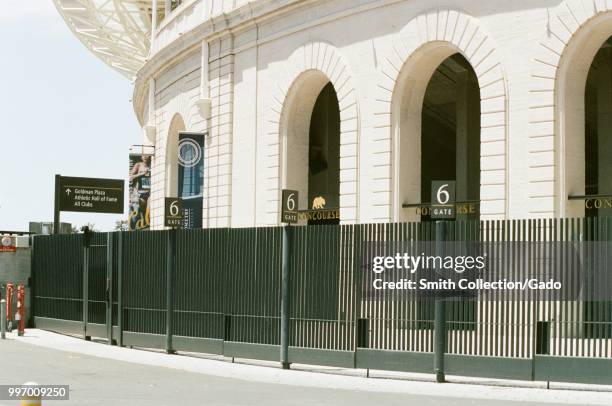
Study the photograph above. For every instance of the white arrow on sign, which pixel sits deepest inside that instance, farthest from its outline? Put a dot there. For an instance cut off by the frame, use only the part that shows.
(68, 192)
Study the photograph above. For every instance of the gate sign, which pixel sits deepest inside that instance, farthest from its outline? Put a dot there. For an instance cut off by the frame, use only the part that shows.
(289, 212)
(173, 212)
(443, 199)
(92, 195)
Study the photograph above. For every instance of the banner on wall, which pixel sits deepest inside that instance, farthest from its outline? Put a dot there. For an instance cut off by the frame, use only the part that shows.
(191, 177)
(140, 187)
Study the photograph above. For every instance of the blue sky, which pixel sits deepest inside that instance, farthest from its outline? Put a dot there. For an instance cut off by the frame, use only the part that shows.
(62, 110)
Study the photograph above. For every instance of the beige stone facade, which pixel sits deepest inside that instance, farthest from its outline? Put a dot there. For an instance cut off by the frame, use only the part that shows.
(261, 64)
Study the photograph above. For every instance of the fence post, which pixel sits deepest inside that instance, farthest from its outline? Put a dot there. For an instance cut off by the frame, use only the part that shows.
(3, 319)
(120, 289)
(440, 312)
(285, 297)
(86, 241)
(31, 319)
(109, 287)
(170, 262)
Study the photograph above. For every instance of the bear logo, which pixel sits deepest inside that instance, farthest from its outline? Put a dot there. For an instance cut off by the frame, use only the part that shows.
(318, 203)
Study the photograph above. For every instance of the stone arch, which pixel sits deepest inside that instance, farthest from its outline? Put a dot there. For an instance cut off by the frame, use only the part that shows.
(575, 31)
(415, 54)
(314, 64)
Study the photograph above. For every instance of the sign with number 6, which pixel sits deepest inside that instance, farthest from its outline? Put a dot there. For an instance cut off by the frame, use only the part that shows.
(443, 199)
(289, 202)
(173, 213)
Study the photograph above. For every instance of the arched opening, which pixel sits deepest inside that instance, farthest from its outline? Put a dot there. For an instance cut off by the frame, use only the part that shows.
(597, 134)
(311, 147)
(450, 134)
(185, 170)
(437, 132)
(579, 127)
(584, 144)
(324, 154)
(177, 125)
(436, 124)
(598, 170)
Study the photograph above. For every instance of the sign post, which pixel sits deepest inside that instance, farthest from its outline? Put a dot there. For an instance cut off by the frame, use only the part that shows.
(289, 215)
(442, 208)
(173, 218)
(56, 204)
(87, 195)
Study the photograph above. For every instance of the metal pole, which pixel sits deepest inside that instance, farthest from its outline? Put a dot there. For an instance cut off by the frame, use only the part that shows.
(32, 319)
(56, 204)
(440, 312)
(85, 283)
(120, 289)
(170, 254)
(3, 319)
(109, 287)
(285, 298)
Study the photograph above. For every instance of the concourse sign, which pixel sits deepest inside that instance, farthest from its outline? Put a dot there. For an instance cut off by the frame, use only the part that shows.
(87, 195)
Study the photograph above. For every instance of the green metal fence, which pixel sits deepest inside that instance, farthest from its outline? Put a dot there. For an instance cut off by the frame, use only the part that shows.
(58, 275)
(220, 291)
(144, 282)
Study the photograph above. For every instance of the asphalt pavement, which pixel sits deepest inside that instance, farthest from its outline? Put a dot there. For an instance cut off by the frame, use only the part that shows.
(96, 380)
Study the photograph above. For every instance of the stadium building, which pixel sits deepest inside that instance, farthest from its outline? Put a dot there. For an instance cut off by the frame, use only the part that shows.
(360, 104)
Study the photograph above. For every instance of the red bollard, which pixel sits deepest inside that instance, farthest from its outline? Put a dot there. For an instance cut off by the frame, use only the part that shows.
(20, 316)
(9, 304)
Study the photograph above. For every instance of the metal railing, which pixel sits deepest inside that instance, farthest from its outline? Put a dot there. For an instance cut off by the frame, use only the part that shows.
(226, 293)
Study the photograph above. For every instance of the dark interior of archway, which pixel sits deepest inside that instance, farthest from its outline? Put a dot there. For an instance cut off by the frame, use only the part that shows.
(324, 153)
(598, 171)
(598, 126)
(450, 150)
(450, 132)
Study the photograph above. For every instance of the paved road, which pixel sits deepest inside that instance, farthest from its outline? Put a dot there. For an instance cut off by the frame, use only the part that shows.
(98, 381)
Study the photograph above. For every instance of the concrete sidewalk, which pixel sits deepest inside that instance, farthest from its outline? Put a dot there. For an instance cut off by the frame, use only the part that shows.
(57, 359)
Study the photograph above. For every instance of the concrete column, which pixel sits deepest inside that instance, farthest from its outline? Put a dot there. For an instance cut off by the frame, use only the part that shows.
(473, 101)
(467, 141)
(167, 8)
(153, 25)
(462, 138)
(604, 126)
(204, 73)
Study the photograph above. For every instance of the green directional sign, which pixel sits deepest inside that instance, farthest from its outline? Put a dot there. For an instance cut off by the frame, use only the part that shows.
(92, 195)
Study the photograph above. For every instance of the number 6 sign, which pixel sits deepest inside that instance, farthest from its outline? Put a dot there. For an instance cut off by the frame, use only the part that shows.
(443, 199)
(173, 213)
(289, 212)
